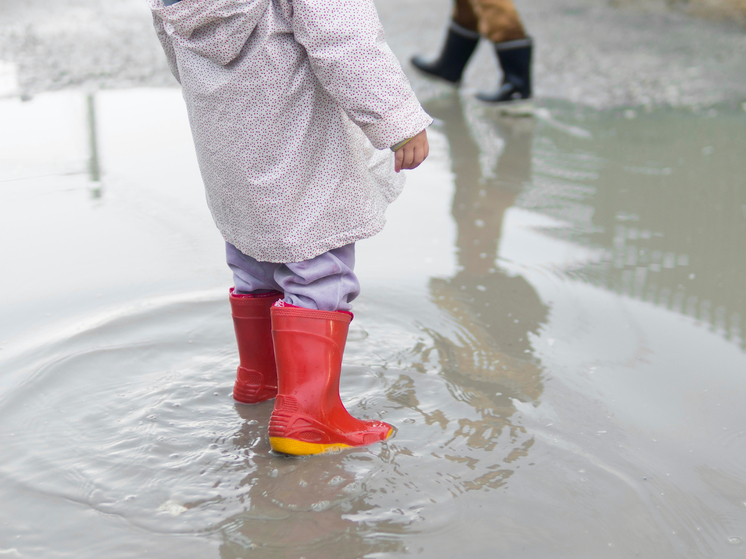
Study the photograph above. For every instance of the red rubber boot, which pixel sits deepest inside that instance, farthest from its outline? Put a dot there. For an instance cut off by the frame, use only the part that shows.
(309, 417)
(256, 380)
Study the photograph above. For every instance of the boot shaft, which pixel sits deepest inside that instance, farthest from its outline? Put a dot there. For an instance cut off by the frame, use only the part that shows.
(308, 416)
(253, 327)
(459, 45)
(515, 61)
(309, 346)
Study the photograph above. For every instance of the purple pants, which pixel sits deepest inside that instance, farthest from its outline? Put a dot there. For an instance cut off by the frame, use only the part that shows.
(325, 283)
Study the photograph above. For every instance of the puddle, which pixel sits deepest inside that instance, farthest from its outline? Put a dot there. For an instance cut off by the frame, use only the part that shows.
(553, 319)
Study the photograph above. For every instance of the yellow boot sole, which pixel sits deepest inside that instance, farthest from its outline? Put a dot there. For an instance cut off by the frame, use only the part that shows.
(300, 448)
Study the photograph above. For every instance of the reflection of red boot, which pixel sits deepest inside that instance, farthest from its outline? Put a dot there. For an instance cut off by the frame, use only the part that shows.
(309, 417)
(256, 380)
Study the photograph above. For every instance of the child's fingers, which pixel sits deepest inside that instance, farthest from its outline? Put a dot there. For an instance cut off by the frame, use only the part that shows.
(418, 158)
(413, 153)
(398, 159)
(408, 157)
(423, 152)
(420, 154)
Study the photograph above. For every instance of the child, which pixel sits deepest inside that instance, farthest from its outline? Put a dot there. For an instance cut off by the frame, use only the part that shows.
(290, 104)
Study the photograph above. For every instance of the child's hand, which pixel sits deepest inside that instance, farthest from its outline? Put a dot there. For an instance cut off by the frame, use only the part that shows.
(414, 152)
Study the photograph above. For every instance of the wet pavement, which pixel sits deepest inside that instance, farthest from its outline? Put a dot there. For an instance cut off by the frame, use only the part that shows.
(587, 51)
(553, 319)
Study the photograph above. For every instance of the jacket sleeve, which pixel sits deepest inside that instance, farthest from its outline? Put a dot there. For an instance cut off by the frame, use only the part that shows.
(348, 54)
(167, 45)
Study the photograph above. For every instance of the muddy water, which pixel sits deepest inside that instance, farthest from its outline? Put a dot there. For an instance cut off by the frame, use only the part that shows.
(553, 320)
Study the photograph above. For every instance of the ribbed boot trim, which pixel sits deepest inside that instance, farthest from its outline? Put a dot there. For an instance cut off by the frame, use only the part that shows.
(299, 312)
(516, 44)
(463, 31)
(248, 306)
(266, 295)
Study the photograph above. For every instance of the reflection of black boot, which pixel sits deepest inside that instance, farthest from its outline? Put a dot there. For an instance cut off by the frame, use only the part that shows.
(458, 48)
(515, 60)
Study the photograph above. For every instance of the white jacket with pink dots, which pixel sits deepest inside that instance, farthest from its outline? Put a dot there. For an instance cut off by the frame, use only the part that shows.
(293, 106)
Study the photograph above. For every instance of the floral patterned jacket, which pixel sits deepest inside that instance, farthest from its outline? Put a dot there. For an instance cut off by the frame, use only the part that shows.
(293, 105)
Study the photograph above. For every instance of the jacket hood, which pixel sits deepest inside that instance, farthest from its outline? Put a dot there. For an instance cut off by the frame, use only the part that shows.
(216, 29)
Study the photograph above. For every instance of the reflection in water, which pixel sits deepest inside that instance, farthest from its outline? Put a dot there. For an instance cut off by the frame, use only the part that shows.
(94, 167)
(297, 507)
(155, 441)
(466, 435)
(161, 446)
(123, 424)
(487, 360)
(663, 200)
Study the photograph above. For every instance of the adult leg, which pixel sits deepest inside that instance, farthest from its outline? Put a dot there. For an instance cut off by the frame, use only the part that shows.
(498, 21)
(462, 38)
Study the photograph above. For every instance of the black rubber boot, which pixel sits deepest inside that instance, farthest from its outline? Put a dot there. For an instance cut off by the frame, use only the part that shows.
(458, 48)
(515, 60)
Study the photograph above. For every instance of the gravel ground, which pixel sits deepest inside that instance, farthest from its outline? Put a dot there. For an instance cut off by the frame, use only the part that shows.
(586, 53)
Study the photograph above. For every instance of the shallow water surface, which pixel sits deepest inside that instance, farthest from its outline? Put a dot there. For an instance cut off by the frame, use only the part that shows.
(553, 320)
